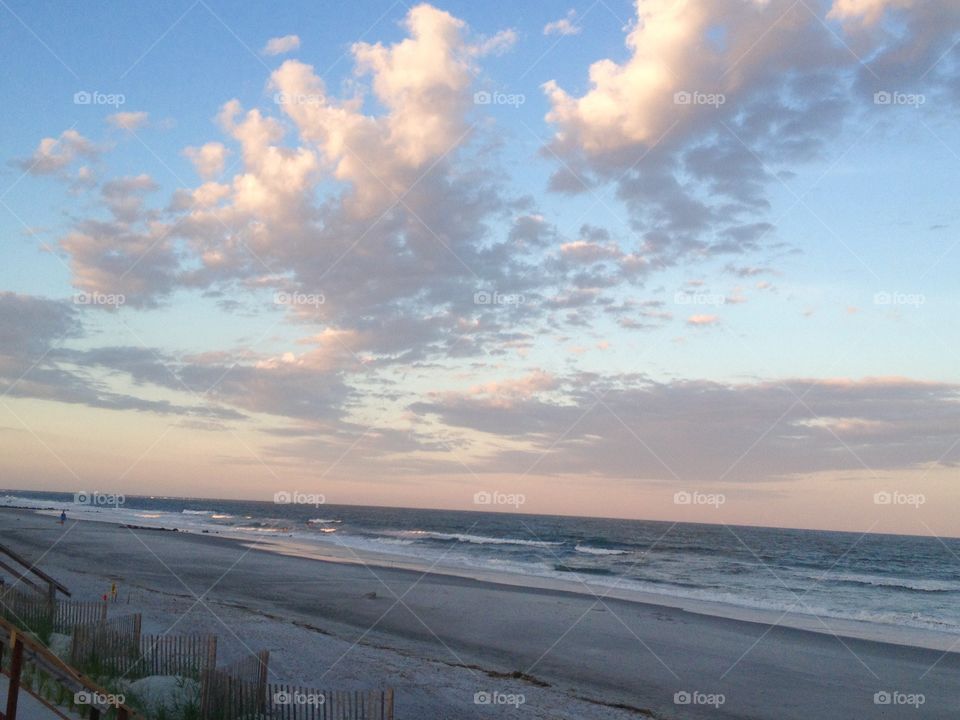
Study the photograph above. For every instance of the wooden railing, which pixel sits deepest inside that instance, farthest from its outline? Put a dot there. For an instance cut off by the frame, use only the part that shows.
(30, 574)
(27, 653)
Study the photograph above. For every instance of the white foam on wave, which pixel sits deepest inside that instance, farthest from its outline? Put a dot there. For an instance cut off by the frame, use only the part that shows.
(587, 550)
(472, 539)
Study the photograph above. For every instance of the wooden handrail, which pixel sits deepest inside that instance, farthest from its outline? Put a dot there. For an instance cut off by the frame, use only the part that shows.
(35, 570)
(31, 650)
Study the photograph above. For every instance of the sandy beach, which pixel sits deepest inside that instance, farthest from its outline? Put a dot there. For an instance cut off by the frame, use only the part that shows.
(439, 639)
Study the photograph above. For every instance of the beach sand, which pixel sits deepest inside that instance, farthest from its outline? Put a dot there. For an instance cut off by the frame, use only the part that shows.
(440, 639)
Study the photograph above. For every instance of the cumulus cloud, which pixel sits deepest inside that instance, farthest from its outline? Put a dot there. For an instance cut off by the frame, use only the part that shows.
(281, 45)
(209, 159)
(867, 11)
(53, 155)
(716, 97)
(128, 120)
(381, 200)
(703, 320)
(564, 26)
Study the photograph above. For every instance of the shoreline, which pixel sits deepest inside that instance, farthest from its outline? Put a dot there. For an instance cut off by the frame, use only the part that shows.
(337, 552)
(440, 639)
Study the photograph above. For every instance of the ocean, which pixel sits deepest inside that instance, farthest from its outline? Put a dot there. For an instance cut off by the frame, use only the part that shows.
(904, 581)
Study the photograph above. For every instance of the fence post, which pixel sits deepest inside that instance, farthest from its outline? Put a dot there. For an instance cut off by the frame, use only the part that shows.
(212, 653)
(16, 667)
(262, 680)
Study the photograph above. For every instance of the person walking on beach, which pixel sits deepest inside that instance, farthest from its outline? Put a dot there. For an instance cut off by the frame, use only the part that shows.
(63, 517)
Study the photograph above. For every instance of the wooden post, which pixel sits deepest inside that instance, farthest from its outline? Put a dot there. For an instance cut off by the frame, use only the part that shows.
(16, 667)
(389, 715)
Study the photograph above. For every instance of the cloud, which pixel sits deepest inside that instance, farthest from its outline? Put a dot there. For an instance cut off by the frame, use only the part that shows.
(868, 12)
(53, 155)
(498, 44)
(564, 26)
(209, 159)
(715, 99)
(703, 320)
(681, 431)
(128, 120)
(36, 363)
(281, 45)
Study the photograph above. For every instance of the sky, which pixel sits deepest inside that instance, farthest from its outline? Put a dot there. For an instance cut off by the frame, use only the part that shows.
(672, 259)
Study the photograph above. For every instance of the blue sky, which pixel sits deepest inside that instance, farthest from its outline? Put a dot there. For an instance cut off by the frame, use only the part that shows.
(796, 240)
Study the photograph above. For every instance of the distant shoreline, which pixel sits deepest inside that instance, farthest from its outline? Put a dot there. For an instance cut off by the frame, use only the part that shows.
(482, 633)
(332, 553)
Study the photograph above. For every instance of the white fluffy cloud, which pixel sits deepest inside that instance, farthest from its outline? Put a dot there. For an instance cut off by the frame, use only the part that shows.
(566, 25)
(281, 45)
(54, 154)
(866, 11)
(208, 159)
(128, 120)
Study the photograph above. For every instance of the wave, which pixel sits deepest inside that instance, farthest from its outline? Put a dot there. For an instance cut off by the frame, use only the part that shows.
(931, 586)
(583, 570)
(483, 539)
(586, 549)
(321, 521)
(198, 512)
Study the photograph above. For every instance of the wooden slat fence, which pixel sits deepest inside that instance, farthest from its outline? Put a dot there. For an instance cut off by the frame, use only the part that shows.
(184, 655)
(71, 613)
(36, 613)
(118, 649)
(106, 648)
(27, 610)
(236, 692)
(287, 702)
